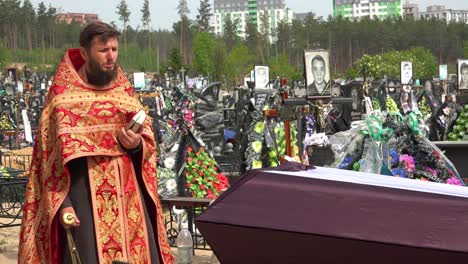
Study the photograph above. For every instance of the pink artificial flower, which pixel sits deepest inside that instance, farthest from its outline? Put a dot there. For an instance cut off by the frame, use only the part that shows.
(408, 162)
(454, 181)
(431, 171)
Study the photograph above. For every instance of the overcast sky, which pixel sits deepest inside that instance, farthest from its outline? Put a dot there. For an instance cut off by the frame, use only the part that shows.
(164, 13)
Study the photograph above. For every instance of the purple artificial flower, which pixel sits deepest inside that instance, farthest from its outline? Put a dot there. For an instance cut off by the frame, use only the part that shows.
(345, 163)
(393, 154)
(399, 173)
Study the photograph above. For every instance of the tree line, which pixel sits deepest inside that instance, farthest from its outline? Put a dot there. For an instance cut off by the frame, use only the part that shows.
(32, 35)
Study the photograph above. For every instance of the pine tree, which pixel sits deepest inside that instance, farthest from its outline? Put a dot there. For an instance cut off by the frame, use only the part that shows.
(146, 20)
(124, 16)
(183, 11)
(230, 35)
(204, 15)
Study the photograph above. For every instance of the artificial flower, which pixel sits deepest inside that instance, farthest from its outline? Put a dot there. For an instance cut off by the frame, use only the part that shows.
(169, 163)
(257, 146)
(202, 177)
(259, 127)
(256, 164)
(408, 162)
(345, 163)
(393, 157)
(399, 173)
(171, 184)
(454, 181)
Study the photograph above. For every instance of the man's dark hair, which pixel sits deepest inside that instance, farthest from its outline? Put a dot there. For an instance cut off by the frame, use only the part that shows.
(463, 66)
(102, 30)
(318, 58)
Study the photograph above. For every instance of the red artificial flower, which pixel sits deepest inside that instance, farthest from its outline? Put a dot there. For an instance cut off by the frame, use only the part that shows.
(195, 179)
(189, 149)
(201, 149)
(188, 185)
(209, 192)
(200, 173)
(193, 193)
(189, 159)
(222, 179)
(194, 169)
(199, 163)
(205, 167)
(203, 187)
(211, 196)
(215, 168)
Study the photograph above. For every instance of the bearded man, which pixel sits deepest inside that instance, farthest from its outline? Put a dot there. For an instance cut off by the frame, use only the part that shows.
(87, 165)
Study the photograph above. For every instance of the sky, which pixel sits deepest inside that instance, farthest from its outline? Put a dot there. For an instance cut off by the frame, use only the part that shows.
(164, 13)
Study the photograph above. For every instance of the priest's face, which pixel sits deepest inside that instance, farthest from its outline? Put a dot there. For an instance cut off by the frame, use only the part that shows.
(101, 61)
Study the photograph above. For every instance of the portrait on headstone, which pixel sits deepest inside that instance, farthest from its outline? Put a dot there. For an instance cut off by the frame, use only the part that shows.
(355, 92)
(463, 74)
(317, 73)
(262, 76)
(11, 76)
(406, 72)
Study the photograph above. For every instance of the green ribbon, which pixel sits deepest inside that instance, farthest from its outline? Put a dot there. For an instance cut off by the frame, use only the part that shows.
(375, 129)
(413, 121)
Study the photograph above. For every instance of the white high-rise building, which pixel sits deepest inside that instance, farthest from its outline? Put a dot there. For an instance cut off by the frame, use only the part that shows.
(440, 12)
(245, 11)
(356, 9)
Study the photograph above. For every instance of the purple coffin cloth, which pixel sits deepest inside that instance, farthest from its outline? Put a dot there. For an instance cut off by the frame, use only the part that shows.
(267, 217)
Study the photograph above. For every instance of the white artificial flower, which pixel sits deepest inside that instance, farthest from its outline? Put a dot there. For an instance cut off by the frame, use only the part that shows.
(169, 163)
(171, 185)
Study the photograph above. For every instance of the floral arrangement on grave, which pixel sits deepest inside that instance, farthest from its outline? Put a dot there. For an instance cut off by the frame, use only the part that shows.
(167, 184)
(203, 180)
(256, 138)
(460, 129)
(5, 124)
(281, 140)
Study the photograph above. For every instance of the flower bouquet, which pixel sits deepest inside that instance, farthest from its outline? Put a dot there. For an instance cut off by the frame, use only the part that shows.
(203, 180)
(167, 184)
(412, 155)
(255, 147)
(459, 131)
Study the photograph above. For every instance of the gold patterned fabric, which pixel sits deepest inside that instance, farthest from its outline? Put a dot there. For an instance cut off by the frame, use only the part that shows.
(80, 120)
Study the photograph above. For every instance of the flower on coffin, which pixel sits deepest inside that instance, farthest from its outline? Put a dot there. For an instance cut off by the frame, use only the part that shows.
(407, 162)
(454, 181)
(431, 171)
(399, 173)
(393, 157)
(345, 163)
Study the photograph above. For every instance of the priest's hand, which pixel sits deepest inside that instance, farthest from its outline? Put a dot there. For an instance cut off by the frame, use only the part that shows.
(72, 220)
(129, 139)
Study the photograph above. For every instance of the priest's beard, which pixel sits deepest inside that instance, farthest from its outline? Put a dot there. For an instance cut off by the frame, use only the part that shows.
(99, 77)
